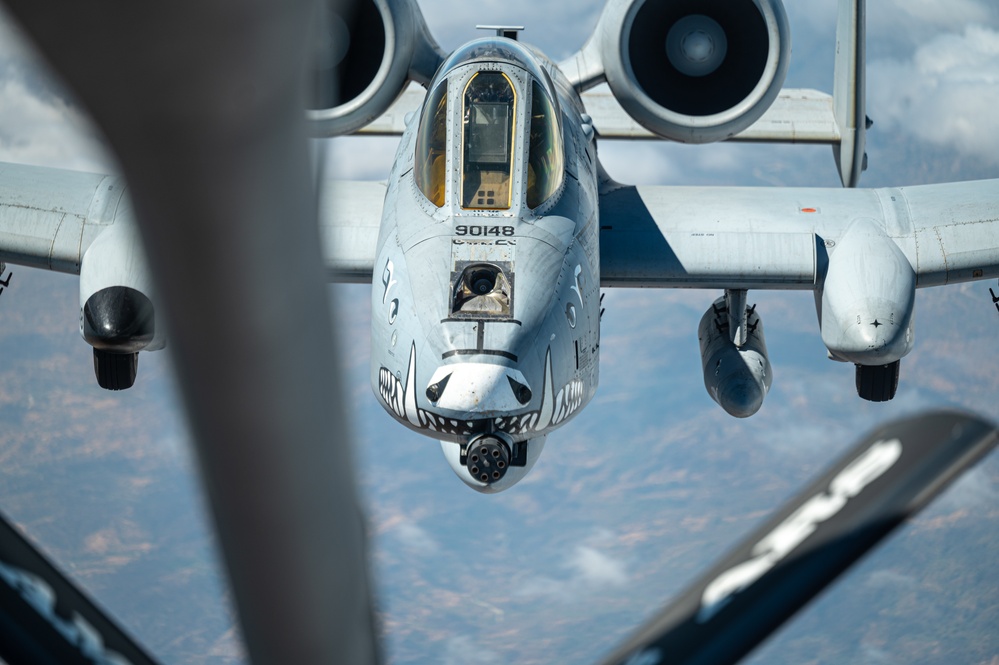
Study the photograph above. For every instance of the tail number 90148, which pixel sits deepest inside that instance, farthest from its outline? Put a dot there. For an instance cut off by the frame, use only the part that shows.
(475, 230)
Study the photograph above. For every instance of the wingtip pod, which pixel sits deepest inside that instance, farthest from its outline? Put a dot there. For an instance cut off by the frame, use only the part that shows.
(364, 59)
(117, 303)
(887, 477)
(688, 71)
(867, 297)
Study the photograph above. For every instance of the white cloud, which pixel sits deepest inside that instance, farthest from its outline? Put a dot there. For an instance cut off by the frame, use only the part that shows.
(873, 655)
(360, 157)
(951, 14)
(43, 129)
(416, 539)
(962, 56)
(722, 157)
(590, 569)
(464, 650)
(888, 579)
(597, 569)
(37, 124)
(946, 94)
(639, 162)
(542, 586)
(899, 26)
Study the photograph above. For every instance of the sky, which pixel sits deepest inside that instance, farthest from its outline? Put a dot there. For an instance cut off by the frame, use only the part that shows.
(629, 501)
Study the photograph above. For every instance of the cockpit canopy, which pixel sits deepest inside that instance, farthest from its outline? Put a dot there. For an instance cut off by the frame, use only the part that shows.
(431, 146)
(487, 141)
(475, 114)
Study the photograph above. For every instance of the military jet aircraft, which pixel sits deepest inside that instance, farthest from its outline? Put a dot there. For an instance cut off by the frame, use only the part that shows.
(840, 487)
(489, 243)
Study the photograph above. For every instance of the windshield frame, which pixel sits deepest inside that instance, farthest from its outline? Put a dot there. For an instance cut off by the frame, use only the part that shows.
(431, 146)
(525, 74)
(481, 153)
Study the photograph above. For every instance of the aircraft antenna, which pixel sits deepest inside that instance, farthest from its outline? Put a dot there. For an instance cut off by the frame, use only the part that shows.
(508, 31)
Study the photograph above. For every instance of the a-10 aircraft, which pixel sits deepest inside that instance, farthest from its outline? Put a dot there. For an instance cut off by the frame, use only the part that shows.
(489, 243)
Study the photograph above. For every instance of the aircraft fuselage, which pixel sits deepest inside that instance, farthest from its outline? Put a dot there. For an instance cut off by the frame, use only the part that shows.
(486, 306)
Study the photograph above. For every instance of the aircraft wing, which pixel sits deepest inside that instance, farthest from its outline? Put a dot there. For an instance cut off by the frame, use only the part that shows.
(782, 238)
(350, 214)
(49, 218)
(798, 115)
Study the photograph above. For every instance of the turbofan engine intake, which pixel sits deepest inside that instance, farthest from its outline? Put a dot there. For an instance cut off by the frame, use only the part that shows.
(695, 71)
(363, 59)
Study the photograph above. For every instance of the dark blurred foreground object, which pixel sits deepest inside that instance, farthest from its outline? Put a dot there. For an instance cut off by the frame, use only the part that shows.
(46, 620)
(202, 103)
(889, 476)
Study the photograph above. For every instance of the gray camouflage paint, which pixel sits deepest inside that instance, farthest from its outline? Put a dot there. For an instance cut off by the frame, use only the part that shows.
(551, 341)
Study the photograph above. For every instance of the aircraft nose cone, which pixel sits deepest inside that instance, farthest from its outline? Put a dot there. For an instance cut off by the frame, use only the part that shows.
(478, 389)
(741, 396)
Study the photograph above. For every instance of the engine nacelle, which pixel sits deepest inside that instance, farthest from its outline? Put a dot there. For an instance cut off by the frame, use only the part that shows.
(694, 71)
(364, 60)
(736, 377)
(866, 300)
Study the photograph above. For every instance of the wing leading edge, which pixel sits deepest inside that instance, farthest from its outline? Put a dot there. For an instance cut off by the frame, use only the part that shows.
(350, 216)
(782, 238)
(797, 116)
(50, 217)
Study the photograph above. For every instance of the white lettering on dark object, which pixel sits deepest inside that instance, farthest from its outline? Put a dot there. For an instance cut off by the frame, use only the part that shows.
(799, 525)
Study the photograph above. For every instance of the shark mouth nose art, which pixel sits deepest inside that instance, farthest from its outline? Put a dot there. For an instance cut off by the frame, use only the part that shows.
(483, 389)
(477, 398)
